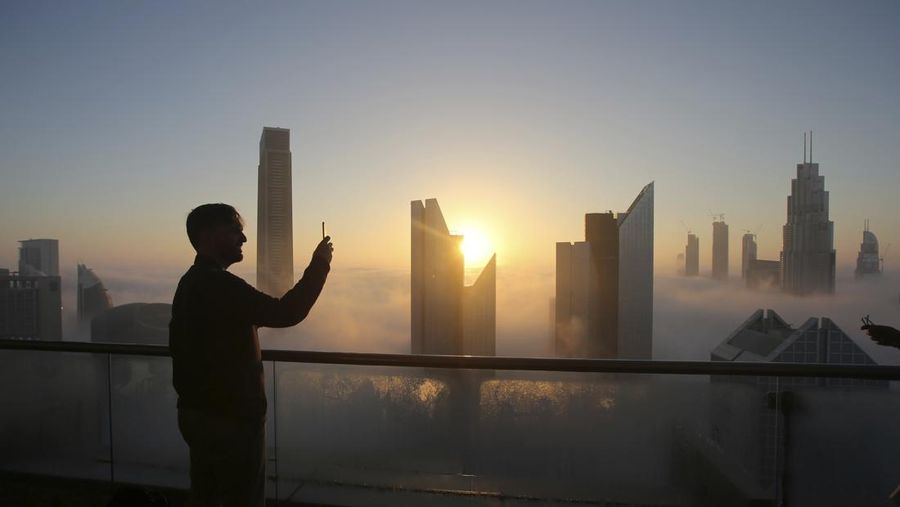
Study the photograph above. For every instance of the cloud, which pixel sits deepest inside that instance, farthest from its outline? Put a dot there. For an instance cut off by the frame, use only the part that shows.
(359, 310)
(693, 315)
(367, 310)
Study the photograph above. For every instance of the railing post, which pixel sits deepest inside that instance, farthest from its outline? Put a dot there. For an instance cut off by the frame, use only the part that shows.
(112, 465)
(275, 428)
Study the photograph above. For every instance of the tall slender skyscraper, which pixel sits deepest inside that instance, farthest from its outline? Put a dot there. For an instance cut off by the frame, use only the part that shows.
(720, 250)
(808, 255)
(446, 316)
(604, 285)
(692, 255)
(748, 253)
(39, 256)
(274, 240)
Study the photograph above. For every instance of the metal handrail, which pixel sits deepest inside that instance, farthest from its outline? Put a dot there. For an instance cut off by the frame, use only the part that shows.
(501, 363)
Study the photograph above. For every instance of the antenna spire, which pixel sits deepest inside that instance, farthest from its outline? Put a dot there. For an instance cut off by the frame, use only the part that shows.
(804, 147)
(810, 146)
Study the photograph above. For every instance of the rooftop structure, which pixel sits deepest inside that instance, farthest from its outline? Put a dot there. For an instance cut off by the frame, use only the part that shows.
(765, 336)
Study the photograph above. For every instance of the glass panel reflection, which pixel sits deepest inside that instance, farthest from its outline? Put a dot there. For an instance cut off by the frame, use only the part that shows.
(147, 447)
(54, 419)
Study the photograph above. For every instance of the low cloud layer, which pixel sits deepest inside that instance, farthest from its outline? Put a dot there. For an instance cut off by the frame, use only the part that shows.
(693, 315)
(367, 310)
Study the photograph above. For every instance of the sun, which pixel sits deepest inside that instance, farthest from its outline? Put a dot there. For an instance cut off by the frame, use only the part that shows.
(475, 246)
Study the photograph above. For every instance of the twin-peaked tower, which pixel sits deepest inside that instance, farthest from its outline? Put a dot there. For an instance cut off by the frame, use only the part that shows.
(446, 316)
(604, 285)
(274, 247)
(808, 256)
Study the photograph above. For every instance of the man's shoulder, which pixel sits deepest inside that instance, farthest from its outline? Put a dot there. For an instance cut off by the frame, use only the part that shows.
(198, 275)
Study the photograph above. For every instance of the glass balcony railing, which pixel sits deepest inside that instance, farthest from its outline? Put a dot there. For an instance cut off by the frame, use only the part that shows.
(370, 429)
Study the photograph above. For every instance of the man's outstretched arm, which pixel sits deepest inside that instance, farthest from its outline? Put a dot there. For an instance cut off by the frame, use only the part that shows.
(883, 335)
(294, 306)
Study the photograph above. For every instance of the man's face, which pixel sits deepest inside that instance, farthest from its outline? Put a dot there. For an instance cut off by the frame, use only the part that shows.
(227, 240)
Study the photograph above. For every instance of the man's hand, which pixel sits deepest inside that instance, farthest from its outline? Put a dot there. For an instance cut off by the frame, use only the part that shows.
(883, 335)
(324, 250)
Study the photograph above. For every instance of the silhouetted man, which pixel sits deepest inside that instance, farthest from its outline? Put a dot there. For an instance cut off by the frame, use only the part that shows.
(217, 369)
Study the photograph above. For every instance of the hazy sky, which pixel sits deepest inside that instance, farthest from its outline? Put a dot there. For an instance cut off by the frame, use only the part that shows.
(119, 117)
(518, 116)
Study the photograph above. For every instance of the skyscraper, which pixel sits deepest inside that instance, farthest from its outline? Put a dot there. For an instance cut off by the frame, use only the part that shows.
(92, 297)
(867, 261)
(39, 256)
(808, 255)
(30, 306)
(604, 285)
(720, 249)
(31, 300)
(274, 246)
(692, 255)
(446, 316)
(748, 253)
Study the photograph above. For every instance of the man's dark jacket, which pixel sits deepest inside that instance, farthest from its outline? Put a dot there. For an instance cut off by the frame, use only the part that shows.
(216, 362)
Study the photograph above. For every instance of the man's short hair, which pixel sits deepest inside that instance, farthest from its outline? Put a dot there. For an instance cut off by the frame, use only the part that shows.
(206, 216)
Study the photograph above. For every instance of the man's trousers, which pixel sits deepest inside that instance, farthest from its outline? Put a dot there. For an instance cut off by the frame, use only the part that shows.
(228, 459)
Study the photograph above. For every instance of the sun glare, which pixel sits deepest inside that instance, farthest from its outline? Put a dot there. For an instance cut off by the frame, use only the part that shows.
(475, 247)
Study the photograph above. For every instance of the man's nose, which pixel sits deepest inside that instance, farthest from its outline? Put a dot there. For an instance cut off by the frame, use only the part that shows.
(243, 238)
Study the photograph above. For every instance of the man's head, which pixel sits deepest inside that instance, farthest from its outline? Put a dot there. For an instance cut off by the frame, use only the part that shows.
(216, 230)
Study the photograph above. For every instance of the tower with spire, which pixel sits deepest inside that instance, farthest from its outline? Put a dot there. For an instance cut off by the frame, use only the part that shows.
(808, 255)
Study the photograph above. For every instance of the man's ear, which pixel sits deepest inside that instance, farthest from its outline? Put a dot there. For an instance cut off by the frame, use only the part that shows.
(203, 239)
